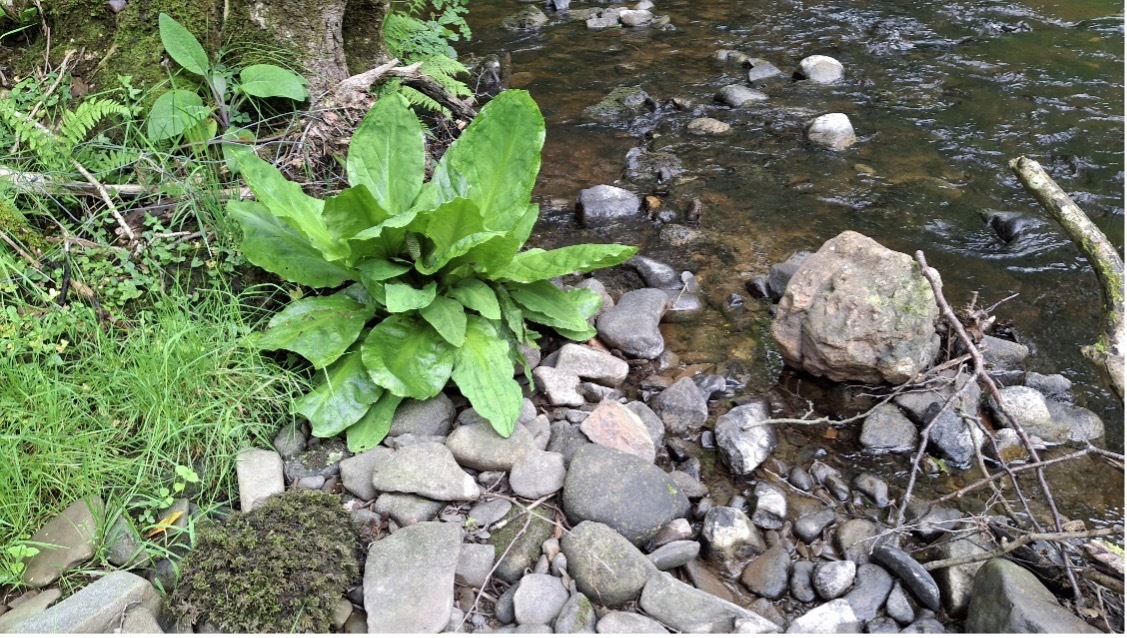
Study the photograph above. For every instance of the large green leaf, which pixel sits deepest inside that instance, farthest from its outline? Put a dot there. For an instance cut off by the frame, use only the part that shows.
(463, 247)
(475, 294)
(367, 433)
(345, 393)
(451, 222)
(403, 297)
(318, 328)
(173, 113)
(267, 80)
(272, 244)
(182, 46)
(448, 317)
(352, 211)
(483, 370)
(536, 264)
(512, 315)
(381, 269)
(407, 356)
(495, 160)
(387, 154)
(286, 199)
(550, 305)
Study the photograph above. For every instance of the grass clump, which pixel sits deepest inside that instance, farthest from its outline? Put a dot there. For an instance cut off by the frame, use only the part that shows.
(91, 407)
(280, 568)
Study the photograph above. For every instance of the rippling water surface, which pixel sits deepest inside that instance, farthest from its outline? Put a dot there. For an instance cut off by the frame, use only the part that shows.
(941, 94)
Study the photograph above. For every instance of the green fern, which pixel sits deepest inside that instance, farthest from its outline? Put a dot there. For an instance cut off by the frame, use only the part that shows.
(421, 31)
(55, 150)
(77, 123)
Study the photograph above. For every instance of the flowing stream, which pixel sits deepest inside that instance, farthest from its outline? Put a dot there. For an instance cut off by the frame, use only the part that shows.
(941, 94)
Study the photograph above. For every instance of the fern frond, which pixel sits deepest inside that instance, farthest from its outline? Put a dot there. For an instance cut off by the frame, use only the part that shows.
(420, 99)
(32, 135)
(77, 123)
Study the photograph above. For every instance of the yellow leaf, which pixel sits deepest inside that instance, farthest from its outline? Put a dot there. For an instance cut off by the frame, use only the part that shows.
(166, 522)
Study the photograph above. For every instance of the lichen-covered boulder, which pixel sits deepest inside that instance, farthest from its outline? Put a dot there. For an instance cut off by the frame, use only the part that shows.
(857, 311)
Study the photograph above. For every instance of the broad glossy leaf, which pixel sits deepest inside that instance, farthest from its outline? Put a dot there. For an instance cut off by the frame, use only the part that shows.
(535, 264)
(267, 80)
(318, 328)
(475, 294)
(387, 154)
(286, 199)
(495, 160)
(352, 211)
(551, 305)
(272, 244)
(512, 315)
(174, 112)
(403, 297)
(408, 357)
(448, 317)
(344, 394)
(381, 269)
(464, 246)
(483, 370)
(182, 46)
(523, 228)
(367, 433)
(575, 334)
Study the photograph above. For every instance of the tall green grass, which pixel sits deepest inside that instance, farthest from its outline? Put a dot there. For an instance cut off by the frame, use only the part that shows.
(120, 408)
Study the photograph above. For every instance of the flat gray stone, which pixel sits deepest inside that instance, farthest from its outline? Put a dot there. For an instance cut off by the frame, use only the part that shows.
(956, 583)
(834, 617)
(426, 469)
(768, 575)
(124, 543)
(737, 95)
(656, 274)
(1009, 599)
(809, 526)
(478, 446)
(603, 204)
(872, 486)
(27, 609)
(66, 540)
(886, 429)
(682, 407)
(910, 572)
(539, 599)
(537, 474)
(898, 606)
(486, 513)
(652, 421)
(871, 589)
(409, 579)
(624, 622)
(630, 495)
(591, 364)
(606, 567)
(632, 324)
(407, 509)
(690, 610)
(770, 506)
(743, 443)
(576, 617)
(260, 476)
(855, 538)
(561, 387)
(356, 471)
(675, 554)
(802, 581)
(96, 608)
(434, 416)
(708, 126)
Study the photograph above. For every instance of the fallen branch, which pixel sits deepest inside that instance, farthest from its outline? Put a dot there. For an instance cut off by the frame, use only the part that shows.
(1108, 352)
(43, 183)
(1020, 541)
(970, 487)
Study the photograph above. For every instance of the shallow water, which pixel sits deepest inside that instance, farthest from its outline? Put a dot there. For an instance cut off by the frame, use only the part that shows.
(941, 95)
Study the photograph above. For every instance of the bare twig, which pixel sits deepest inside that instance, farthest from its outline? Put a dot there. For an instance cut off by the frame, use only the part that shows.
(980, 372)
(970, 487)
(107, 199)
(1020, 541)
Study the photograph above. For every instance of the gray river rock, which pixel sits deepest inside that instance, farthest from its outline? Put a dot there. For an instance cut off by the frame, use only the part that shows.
(632, 324)
(682, 407)
(821, 69)
(409, 579)
(426, 469)
(690, 610)
(1009, 599)
(743, 443)
(605, 565)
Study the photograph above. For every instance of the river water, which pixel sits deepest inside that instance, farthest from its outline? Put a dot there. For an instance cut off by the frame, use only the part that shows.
(941, 94)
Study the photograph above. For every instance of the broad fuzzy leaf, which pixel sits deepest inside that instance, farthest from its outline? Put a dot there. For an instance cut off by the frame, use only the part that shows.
(367, 433)
(448, 317)
(286, 199)
(535, 264)
(387, 154)
(403, 297)
(343, 396)
(495, 160)
(475, 294)
(267, 80)
(272, 244)
(174, 112)
(408, 357)
(551, 306)
(182, 46)
(483, 370)
(318, 328)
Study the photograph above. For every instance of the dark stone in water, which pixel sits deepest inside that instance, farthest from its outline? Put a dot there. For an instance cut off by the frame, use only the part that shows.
(910, 572)
(758, 287)
(1011, 226)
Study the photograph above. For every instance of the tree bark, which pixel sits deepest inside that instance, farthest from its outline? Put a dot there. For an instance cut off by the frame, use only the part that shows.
(1108, 352)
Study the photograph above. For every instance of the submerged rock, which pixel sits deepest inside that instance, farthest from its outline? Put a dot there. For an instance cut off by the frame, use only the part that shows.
(708, 126)
(621, 104)
(603, 204)
(737, 95)
(832, 130)
(821, 69)
(857, 311)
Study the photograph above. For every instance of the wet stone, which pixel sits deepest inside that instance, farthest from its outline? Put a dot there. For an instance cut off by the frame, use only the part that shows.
(802, 581)
(833, 579)
(708, 126)
(910, 572)
(632, 325)
(768, 574)
(683, 307)
(855, 538)
(744, 444)
(677, 529)
(681, 407)
(762, 70)
(737, 95)
(710, 384)
(1052, 386)
(675, 554)
(770, 506)
(655, 273)
(833, 130)
(692, 487)
(886, 429)
(602, 205)
(801, 479)
(956, 439)
(821, 69)
(834, 617)
(728, 535)
(872, 486)
(809, 527)
(541, 430)
(871, 588)
(635, 18)
(537, 474)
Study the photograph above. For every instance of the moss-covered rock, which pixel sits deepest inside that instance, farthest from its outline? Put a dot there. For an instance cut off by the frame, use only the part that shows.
(280, 568)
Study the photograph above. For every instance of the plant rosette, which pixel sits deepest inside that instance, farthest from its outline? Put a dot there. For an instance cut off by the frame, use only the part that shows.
(429, 283)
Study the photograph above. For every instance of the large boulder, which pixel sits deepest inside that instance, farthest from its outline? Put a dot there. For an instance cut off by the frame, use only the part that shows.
(857, 311)
(1007, 598)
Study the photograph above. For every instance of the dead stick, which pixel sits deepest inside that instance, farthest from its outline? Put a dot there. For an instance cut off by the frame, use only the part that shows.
(1108, 352)
(1020, 541)
(980, 372)
(966, 489)
(107, 199)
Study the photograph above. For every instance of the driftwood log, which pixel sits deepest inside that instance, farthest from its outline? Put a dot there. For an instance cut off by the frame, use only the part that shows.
(1108, 352)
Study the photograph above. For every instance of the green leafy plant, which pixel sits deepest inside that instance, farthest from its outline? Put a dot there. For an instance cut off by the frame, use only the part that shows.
(421, 31)
(58, 147)
(182, 112)
(437, 286)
